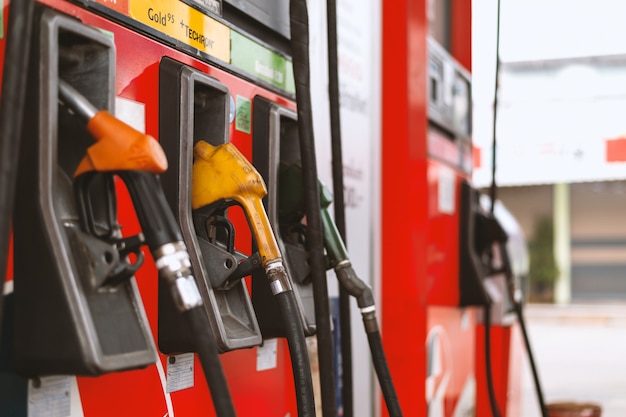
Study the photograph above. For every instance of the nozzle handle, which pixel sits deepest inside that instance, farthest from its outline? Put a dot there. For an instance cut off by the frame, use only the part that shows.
(155, 217)
(335, 247)
(261, 229)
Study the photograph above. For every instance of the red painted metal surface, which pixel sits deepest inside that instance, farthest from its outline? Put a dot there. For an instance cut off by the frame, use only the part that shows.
(404, 203)
(141, 392)
(443, 240)
(507, 358)
(420, 258)
(453, 383)
(461, 36)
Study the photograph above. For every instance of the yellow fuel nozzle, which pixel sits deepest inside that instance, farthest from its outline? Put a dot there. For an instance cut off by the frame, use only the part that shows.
(223, 173)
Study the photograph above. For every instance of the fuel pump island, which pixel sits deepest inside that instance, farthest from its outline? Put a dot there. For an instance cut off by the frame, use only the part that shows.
(168, 240)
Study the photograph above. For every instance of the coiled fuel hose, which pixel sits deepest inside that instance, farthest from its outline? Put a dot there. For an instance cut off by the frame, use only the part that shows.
(136, 158)
(299, 24)
(222, 173)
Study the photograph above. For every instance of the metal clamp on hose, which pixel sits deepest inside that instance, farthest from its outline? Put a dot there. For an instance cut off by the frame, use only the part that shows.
(277, 276)
(172, 261)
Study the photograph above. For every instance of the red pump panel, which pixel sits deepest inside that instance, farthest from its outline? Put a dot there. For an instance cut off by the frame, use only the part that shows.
(404, 206)
(142, 392)
(461, 28)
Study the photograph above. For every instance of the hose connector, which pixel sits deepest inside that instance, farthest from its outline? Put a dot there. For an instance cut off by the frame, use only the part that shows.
(353, 285)
(277, 276)
(369, 319)
(172, 261)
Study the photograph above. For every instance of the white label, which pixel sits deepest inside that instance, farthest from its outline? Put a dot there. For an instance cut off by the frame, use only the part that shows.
(180, 372)
(266, 355)
(446, 190)
(49, 397)
(131, 112)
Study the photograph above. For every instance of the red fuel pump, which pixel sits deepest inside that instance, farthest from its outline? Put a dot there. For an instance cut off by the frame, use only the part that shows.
(432, 275)
(222, 71)
(119, 48)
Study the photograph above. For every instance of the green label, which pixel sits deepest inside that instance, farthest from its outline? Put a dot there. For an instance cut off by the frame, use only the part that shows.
(261, 62)
(242, 118)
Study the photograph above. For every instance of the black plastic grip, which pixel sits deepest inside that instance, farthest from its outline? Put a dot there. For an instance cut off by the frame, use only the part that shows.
(155, 216)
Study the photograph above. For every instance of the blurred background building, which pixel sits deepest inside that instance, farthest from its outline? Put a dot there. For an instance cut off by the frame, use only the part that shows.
(561, 148)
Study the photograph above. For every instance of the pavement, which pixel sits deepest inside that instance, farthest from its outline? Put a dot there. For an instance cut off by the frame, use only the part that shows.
(580, 352)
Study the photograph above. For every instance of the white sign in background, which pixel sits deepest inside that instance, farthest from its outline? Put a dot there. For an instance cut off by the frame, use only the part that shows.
(562, 142)
(561, 139)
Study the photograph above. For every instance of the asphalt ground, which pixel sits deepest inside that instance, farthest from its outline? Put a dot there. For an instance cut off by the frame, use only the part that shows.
(580, 351)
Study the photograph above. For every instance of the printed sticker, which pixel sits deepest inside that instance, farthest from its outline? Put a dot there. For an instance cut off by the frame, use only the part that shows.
(180, 372)
(242, 114)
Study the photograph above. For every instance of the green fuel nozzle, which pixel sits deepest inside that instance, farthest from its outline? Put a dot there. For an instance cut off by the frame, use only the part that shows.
(291, 209)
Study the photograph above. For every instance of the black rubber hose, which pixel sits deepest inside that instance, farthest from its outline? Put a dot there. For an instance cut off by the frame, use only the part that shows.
(531, 359)
(365, 299)
(384, 376)
(487, 321)
(210, 361)
(494, 187)
(495, 411)
(515, 296)
(299, 356)
(160, 228)
(345, 324)
(153, 212)
(19, 29)
(299, 21)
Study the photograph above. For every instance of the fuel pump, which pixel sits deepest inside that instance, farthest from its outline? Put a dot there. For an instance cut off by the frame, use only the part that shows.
(223, 176)
(201, 112)
(230, 56)
(291, 213)
(496, 237)
(136, 158)
(72, 316)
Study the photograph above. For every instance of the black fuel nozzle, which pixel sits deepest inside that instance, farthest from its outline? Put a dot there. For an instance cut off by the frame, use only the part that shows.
(491, 237)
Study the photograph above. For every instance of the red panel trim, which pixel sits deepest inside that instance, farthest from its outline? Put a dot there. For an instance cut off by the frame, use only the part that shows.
(461, 32)
(616, 150)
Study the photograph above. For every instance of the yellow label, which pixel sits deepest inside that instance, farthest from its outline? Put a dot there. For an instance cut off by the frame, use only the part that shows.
(185, 24)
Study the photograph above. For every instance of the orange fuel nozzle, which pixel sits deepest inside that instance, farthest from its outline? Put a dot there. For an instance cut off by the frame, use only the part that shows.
(118, 147)
(223, 173)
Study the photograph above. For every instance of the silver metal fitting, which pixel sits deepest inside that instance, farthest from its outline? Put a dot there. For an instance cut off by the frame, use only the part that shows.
(172, 261)
(277, 275)
(343, 264)
(186, 293)
(369, 309)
